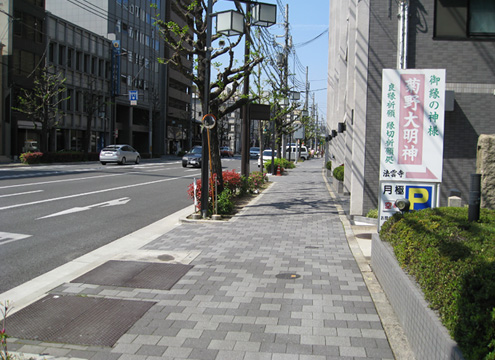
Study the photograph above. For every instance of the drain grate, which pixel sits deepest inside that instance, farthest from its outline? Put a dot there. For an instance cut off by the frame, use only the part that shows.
(312, 247)
(76, 320)
(135, 274)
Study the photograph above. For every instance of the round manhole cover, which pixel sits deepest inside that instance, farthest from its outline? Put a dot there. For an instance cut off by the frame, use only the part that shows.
(287, 276)
(166, 257)
(364, 236)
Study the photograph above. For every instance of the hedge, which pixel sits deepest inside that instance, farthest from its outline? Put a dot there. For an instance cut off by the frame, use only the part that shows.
(453, 261)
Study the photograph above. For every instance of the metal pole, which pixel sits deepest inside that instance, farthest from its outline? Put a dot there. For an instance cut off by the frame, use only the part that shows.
(474, 198)
(245, 109)
(206, 100)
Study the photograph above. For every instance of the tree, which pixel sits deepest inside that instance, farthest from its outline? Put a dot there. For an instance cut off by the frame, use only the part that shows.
(93, 101)
(43, 103)
(188, 41)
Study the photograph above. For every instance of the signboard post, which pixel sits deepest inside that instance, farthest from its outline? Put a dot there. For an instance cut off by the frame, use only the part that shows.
(412, 132)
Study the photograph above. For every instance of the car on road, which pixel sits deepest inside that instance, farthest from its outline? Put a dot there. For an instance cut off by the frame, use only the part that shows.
(295, 150)
(226, 151)
(254, 152)
(120, 154)
(192, 157)
(267, 156)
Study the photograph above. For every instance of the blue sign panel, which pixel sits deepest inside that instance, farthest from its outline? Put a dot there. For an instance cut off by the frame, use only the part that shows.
(419, 196)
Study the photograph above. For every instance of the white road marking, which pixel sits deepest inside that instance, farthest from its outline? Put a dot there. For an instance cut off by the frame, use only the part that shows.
(121, 201)
(23, 193)
(6, 237)
(91, 193)
(59, 181)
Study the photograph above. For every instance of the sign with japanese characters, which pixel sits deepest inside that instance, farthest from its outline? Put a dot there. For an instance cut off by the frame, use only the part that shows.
(412, 128)
(420, 196)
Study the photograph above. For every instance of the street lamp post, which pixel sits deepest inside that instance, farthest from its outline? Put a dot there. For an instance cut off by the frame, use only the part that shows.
(229, 23)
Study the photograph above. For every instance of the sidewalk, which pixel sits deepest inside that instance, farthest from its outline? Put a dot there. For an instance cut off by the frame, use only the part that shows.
(278, 281)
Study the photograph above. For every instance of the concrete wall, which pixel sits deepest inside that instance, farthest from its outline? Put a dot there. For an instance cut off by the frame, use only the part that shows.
(426, 335)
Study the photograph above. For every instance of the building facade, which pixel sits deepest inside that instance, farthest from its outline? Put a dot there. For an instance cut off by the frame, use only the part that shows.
(24, 46)
(364, 39)
(153, 123)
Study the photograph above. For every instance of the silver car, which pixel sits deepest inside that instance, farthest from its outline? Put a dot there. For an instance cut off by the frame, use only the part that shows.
(119, 154)
(193, 157)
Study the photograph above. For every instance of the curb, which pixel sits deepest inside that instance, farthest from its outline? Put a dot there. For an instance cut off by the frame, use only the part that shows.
(393, 329)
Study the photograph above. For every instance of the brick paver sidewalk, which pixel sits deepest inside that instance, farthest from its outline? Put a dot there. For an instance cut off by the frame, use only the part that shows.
(277, 282)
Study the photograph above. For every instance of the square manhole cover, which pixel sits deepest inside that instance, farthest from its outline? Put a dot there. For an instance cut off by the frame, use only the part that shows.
(135, 274)
(76, 320)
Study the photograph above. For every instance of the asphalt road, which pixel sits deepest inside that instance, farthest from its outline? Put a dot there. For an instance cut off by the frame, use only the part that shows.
(50, 215)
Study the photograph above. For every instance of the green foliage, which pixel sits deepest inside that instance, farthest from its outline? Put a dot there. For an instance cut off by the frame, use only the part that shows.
(31, 157)
(60, 157)
(283, 163)
(373, 213)
(328, 165)
(225, 203)
(338, 173)
(453, 261)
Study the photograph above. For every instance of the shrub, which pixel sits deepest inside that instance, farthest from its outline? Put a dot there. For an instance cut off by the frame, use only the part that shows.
(328, 165)
(453, 262)
(225, 203)
(283, 163)
(338, 173)
(31, 157)
(253, 182)
(373, 213)
(231, 180)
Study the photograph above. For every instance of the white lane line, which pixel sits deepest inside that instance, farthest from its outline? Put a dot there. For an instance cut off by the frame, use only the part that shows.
(79, 179)
(59, 181)
(23, 193)
(91, 193)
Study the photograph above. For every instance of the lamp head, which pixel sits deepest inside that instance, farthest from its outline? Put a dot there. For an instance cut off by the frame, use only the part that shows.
(403, 205)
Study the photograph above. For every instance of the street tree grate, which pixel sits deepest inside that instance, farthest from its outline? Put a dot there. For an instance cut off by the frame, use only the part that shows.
(135, 274)
(76, 320)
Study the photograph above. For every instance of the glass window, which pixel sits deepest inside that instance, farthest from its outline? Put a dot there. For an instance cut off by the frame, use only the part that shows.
(482, 17)
(61, 55)
(70, 58)
(462, 19)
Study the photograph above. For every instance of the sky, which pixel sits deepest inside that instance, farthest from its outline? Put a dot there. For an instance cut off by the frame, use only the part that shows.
(307, 20)
(308, 26)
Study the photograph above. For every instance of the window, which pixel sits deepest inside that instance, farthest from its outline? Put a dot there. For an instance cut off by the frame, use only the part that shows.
(70, 58)
(482, 17)
(464, 19)
(79, 61)
(51, 52)
(101, 68)
(77, 101)
(61, 55)
(87, 59)
(70, 100)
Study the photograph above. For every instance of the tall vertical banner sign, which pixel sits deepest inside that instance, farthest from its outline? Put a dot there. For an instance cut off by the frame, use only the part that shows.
(412, 130)
(115, 68)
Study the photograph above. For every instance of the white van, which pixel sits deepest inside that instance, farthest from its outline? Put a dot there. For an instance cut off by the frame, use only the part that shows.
(303, 152)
